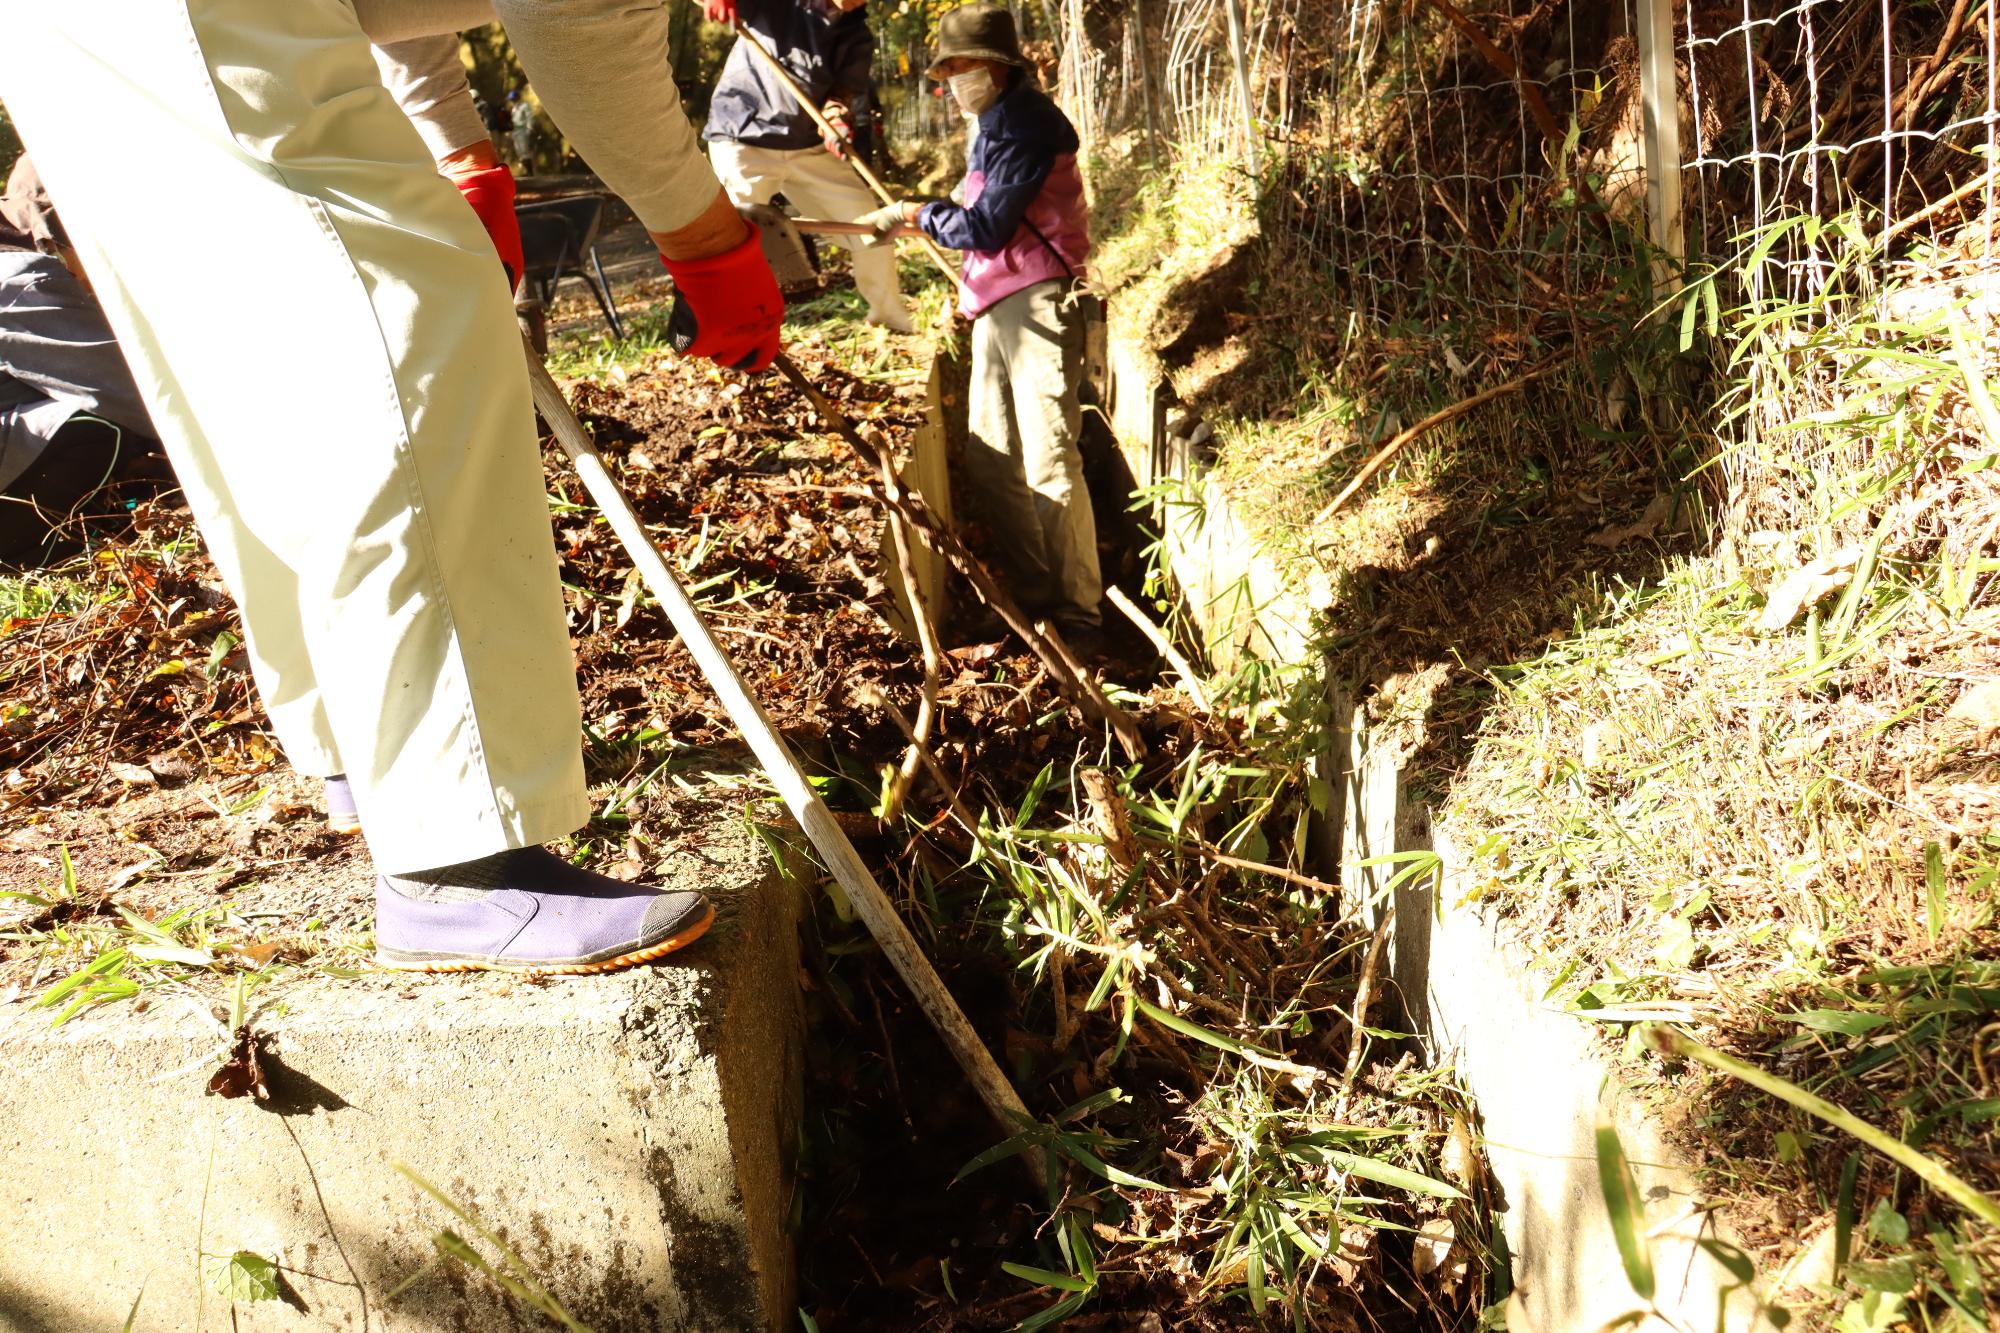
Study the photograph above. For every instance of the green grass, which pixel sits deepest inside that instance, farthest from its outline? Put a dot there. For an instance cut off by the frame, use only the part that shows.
(84, 949)
(41, 593)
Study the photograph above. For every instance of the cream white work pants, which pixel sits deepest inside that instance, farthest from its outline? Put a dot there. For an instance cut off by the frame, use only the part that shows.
(1022, 453)
(819, 185)
(319, 327)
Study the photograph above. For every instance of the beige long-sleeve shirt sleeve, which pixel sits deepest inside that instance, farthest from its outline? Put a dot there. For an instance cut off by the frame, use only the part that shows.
(599, 68)
(427, 79)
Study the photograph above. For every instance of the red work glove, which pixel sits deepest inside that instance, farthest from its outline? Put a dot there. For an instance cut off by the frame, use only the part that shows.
(727, 307)
(719, 11)
(490, 191)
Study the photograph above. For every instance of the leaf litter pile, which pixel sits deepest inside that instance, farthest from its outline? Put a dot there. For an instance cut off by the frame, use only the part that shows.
(1202, 1027)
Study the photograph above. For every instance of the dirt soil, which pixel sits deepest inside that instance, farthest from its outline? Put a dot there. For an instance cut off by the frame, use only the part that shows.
(135, 763)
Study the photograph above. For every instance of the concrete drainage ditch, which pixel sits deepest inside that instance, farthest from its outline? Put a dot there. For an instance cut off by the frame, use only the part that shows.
(1468, 987)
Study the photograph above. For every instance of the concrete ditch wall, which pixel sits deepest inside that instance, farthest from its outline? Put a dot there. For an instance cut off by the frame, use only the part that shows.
(1468, 990)
(629, 1136)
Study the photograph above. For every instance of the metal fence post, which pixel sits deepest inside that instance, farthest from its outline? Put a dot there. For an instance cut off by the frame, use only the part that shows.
(1146, 85)
(1242, 64)
(1659, 103)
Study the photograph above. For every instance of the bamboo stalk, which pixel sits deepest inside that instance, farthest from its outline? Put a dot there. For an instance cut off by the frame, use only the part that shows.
(927, 640)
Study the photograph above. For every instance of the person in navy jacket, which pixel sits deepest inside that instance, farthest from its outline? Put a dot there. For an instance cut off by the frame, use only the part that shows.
(1025, 231)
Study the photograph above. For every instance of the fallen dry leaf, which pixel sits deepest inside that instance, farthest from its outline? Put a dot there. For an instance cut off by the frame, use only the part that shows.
(1600, 743)
(1807, 587)
(1351, 1257)
(257, 954)
(240, 1075)
(1438, 1253)
(171, 770)
(1460, 1156)
(1648, 524)
(1979, 708)
(1434, 1240)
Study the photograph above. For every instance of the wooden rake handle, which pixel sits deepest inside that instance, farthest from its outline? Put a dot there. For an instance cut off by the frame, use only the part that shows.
(871, 904)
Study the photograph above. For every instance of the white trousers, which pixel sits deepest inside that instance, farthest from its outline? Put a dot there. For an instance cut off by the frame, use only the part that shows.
(820, 185)
(1022, 454)
(319, 328)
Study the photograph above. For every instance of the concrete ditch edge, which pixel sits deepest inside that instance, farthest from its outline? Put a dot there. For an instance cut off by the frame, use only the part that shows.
(629, 1136)
(1467, 984)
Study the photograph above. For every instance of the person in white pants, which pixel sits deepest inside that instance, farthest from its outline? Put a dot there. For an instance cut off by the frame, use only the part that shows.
(335, 371)
(763, 143)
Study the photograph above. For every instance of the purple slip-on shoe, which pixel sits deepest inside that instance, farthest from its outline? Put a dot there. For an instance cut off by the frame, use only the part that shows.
(342, 816)
(547, 916)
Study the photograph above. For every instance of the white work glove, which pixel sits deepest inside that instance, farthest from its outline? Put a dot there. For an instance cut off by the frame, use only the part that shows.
(889, 222)
(842, 138)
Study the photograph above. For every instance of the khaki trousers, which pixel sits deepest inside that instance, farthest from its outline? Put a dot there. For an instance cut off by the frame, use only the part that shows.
(321, 333)
(1022, 456)
(819, 186)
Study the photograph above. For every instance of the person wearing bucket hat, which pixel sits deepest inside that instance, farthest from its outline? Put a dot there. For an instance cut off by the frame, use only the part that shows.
(1025, 233)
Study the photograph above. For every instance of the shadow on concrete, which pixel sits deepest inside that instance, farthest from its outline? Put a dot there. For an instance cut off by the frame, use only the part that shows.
(22, 1313)
(294, 1092)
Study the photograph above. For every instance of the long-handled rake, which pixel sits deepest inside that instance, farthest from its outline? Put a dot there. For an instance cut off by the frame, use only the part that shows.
(870, 902)
(861, 169)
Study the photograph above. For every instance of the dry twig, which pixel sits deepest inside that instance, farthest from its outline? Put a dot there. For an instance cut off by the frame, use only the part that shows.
(1189, 677)
(1069, 675)
(1433, 421)
(1364, 996)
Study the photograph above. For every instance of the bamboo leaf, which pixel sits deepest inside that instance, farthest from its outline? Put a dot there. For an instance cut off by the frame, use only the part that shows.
(1846, 1022)
(1043, 1277)
(1000, 1152)
(1097, 1166)
(1383, 1173)
(1934, 1173)
(1628, 1215)
(1056, 1313)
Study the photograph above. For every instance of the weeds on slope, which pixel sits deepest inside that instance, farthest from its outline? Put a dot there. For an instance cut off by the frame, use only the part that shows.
(1759, 797)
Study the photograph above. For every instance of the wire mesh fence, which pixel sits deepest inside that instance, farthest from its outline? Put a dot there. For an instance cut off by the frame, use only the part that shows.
(1825, 107)
(1484, 164)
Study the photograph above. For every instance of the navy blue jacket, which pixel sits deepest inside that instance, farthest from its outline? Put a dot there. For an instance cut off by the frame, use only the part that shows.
(1020, 138)
(828, 52)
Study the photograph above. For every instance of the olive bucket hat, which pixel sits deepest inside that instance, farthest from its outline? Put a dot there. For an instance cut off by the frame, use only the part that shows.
(980, 31)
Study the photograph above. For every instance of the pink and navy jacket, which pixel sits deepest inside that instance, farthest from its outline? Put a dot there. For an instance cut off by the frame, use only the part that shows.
(1023, 178)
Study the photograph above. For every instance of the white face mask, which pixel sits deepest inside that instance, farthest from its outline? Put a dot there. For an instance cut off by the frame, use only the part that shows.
(974, 91)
